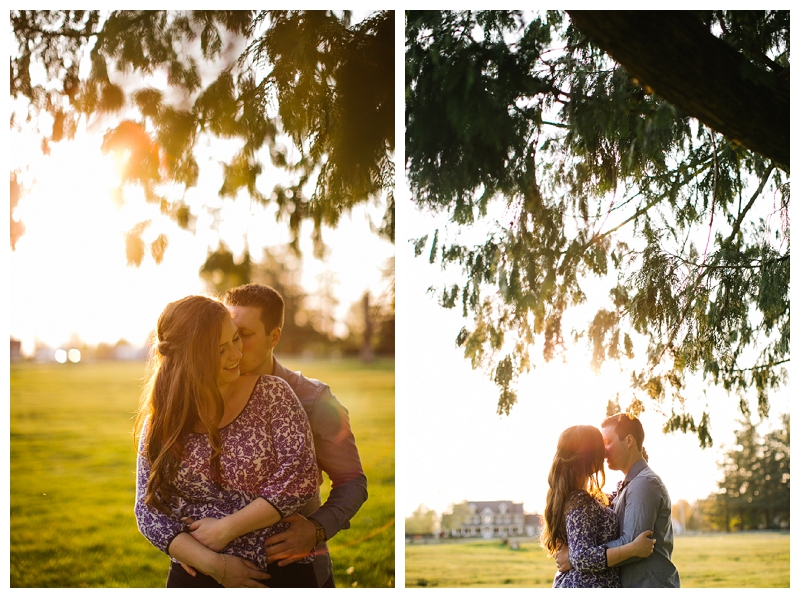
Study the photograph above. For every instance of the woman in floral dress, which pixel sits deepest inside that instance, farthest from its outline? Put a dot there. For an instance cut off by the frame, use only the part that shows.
(577, 514)
(222, 457)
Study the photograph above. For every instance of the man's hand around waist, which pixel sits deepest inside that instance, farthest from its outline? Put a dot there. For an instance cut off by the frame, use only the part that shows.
(562, 558)
(293, 544)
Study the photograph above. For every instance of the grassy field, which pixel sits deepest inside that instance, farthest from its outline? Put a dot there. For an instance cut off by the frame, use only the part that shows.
(746, 560)
(73, 469)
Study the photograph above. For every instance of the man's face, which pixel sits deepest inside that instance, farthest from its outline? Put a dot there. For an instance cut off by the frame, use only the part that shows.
(616, 449)
(256, 343)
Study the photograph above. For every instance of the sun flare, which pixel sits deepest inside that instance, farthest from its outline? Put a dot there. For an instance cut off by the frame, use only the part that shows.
(72, 254)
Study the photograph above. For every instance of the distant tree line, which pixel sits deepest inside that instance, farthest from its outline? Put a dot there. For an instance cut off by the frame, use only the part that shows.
(754, 493)
(422, 522)
(308, 328)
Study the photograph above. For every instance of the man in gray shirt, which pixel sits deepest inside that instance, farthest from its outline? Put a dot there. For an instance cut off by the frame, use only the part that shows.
(641, 503)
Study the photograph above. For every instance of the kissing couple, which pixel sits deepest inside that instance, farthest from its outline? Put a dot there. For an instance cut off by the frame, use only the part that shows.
(621, 540)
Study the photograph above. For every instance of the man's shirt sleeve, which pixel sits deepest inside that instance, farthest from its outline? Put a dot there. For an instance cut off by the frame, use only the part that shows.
(642, 502)
(337, 455)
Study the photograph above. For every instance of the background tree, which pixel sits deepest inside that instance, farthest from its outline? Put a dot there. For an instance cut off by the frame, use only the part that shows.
(280, 269)
(223, 272)
(578, 171)
(386, 312)
(375, 325)
(306, 90)
(322, 315)
(452, 520)
(682, 513)
(708, 515)
(422, 522)
(754, 491)
(740, 470)
(774, 495)
(384, 344)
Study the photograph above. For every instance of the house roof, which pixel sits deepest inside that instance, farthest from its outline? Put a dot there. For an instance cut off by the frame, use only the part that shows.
(494, 505)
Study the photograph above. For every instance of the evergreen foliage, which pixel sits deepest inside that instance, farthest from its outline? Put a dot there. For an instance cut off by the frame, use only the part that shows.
(754, 492)
(267, 79)
(579, 171)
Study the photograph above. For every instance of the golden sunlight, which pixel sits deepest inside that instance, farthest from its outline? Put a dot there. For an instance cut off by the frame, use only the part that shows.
(72, 190)
(69, 269)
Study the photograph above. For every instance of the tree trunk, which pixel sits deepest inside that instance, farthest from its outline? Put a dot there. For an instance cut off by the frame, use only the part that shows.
(677, 57)
(727, 517)
(367, 355)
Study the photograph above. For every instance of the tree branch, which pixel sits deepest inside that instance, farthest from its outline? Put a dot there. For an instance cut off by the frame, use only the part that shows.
(751, 266)
(703, 272)
(763, 366)
(661, 50)
(737, 225)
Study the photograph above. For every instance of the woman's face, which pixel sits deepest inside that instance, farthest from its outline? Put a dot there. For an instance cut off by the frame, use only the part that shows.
(230, 352)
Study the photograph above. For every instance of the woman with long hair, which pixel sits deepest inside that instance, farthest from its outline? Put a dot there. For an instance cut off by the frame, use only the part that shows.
(577, 514)
(222, 457)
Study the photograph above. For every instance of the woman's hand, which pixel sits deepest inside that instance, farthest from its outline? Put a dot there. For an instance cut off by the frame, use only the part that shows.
(212, 533)
(228, 570)
(216, 534)
(643, 544)
(234, 572)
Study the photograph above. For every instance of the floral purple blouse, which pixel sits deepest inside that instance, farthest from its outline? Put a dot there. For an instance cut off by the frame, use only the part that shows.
(267, 451)
(589, 526)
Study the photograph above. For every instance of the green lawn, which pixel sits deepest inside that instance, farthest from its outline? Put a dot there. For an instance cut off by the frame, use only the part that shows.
(73, 475)
(746, 560)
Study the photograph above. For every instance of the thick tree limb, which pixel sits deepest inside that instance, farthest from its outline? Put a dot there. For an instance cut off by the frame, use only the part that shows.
(675, 55)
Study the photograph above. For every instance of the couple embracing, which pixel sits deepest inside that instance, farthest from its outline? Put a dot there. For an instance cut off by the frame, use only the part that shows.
(608, 541)
(231, 449)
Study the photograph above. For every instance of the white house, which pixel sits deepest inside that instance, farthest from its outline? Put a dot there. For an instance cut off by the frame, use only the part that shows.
(493, 519)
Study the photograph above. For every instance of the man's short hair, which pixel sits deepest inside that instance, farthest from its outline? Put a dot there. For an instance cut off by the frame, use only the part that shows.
(258, 295)
(624, 424)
